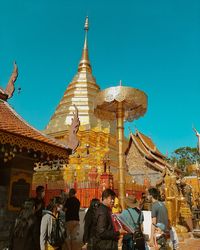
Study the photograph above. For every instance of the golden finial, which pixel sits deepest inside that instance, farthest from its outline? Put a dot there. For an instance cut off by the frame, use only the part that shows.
(86, 24)
(84, 65)
(86, 28)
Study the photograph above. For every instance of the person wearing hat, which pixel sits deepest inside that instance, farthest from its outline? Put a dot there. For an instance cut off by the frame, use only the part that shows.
(160, 240)
(133, 218)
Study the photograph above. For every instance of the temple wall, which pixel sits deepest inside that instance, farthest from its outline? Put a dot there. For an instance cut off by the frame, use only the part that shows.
(15, 187)
(94, 146)
(6, 217)
(139, 169)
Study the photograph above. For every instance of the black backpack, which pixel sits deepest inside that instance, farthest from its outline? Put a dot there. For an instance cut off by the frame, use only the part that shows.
(138, 236)
(58, 232)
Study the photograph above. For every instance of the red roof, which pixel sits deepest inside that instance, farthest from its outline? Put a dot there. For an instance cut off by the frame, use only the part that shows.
(12, 123)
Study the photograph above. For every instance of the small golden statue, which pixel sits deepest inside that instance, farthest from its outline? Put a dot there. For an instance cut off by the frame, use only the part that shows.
(176, 204)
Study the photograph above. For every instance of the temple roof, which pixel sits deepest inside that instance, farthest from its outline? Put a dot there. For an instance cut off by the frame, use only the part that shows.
(147, 141)
(16, 131)
(149, 151)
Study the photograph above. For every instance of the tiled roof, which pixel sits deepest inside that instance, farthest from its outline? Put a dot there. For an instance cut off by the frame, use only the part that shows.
(12, 123)
(149, 151)
(149, 144)
(141, 146)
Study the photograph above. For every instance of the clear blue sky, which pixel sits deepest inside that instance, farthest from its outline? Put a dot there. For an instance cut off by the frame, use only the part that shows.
(151, 45)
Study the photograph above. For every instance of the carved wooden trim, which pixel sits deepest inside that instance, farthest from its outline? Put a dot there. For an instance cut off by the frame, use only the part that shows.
(20, 141)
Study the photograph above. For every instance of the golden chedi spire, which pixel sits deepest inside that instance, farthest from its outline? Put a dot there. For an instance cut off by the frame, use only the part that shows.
(84, 64)
(81, 91)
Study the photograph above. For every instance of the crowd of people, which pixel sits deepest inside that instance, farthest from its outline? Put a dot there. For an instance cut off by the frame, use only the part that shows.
(106, 227)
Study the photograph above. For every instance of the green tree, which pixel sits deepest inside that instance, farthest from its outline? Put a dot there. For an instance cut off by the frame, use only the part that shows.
(184, 157)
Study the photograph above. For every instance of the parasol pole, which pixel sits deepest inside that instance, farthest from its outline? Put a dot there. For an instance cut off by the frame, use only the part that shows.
(120, 133)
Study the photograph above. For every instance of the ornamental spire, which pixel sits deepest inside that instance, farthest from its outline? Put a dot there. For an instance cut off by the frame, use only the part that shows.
(84, 64)
(10, 88)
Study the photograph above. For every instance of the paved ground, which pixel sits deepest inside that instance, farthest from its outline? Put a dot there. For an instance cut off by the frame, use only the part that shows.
(190, 244)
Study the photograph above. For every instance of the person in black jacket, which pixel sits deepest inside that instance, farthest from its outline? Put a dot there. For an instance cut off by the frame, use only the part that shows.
(39, 206)
(39, 202)
(24, 234)
(105, 237)
(89, 224)
(72, 207)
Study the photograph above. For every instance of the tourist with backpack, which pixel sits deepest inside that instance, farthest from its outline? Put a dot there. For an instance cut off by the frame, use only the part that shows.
(52, 231)
(133, 218)
(159, 212)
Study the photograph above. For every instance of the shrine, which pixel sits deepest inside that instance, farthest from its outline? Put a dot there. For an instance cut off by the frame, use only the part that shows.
(21, 146)
(144, 161)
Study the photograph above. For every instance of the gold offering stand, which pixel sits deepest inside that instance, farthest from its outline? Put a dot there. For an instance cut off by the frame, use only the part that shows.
(121, 104)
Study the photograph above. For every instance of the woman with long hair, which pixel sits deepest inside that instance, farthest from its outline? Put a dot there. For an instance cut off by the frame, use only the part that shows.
(24, 235)
(89, 222)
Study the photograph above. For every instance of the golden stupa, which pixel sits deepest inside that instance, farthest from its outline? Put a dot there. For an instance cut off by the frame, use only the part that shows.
(98, 140)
